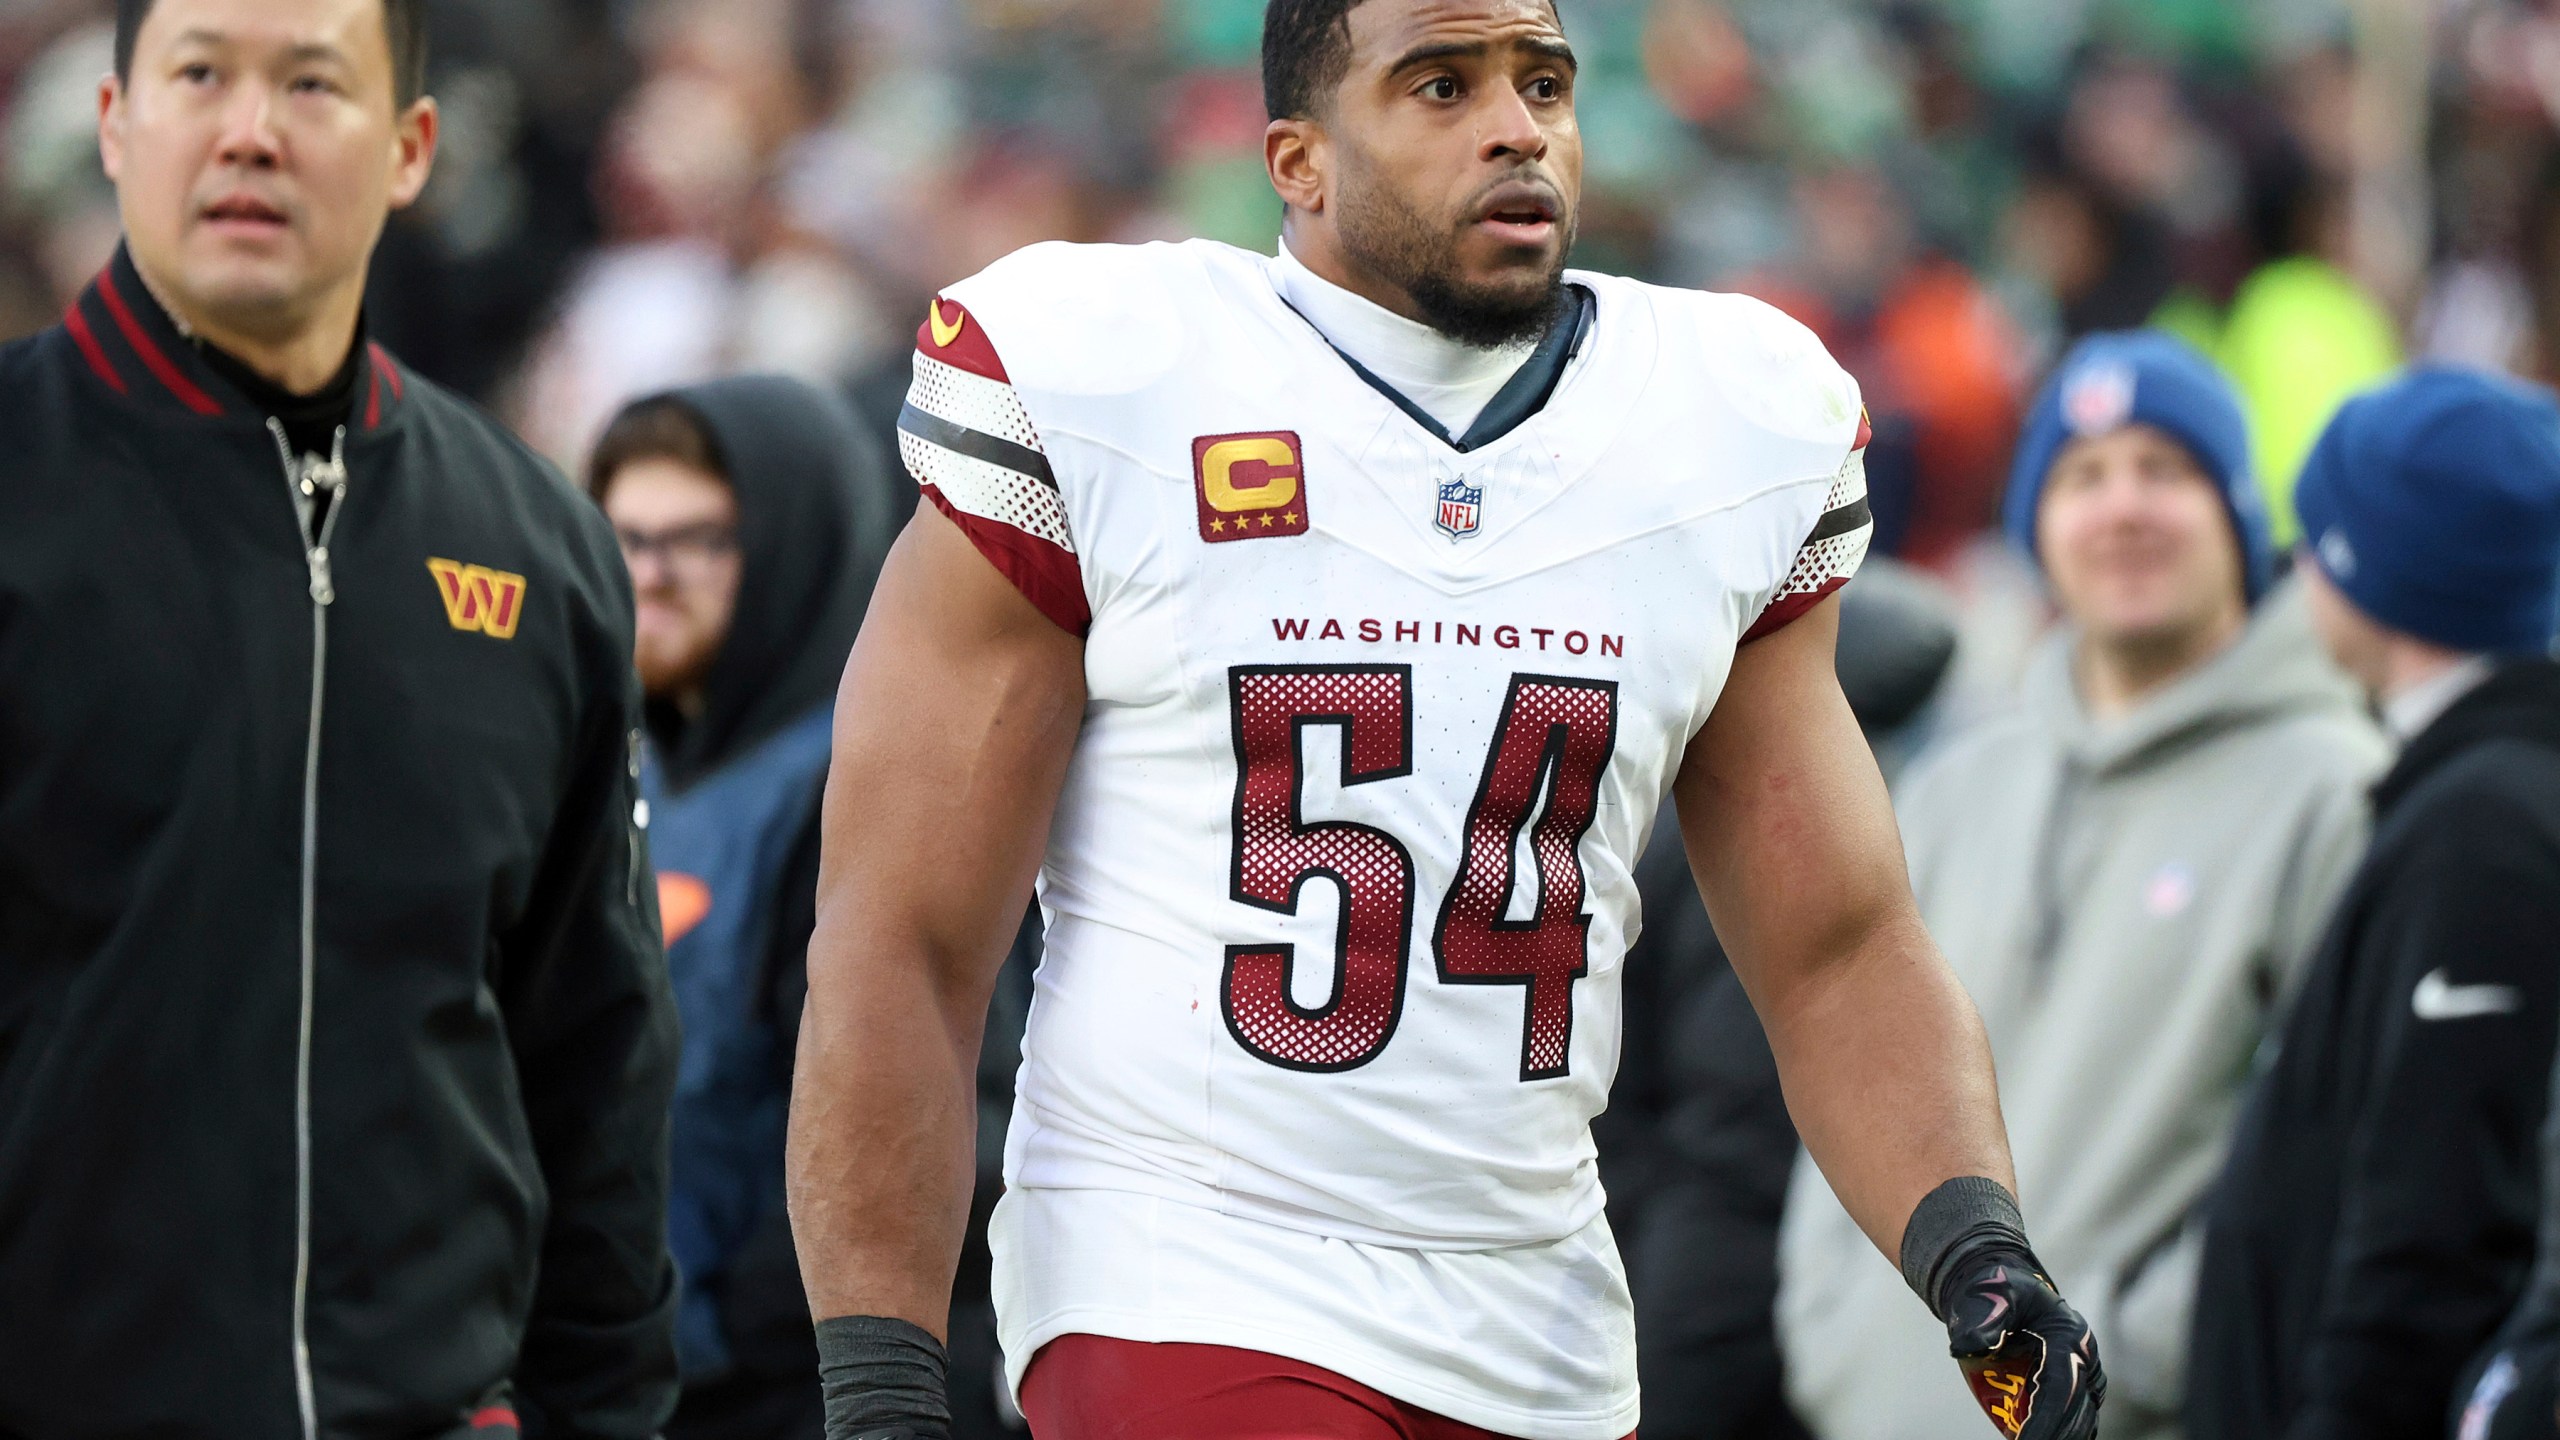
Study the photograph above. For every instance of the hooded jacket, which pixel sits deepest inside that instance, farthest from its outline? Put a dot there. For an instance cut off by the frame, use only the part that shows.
(734, 791)
(2377, 1220)
(2127, 901)
(335, 1043)
(815, 520)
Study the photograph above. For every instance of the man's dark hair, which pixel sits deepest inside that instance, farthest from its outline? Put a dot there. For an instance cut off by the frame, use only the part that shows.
(405, 21)
(1306, 47)
(661, 427)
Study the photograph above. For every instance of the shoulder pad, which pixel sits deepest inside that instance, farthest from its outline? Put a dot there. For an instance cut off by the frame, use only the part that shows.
(1771, 371)
(1090, 319)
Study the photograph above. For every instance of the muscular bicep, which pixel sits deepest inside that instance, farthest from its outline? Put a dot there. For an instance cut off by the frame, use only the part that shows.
(1784, 814)
(958, 713)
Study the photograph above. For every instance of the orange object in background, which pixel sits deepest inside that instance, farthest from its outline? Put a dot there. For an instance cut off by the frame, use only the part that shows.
(1945, 358)
(683, 902)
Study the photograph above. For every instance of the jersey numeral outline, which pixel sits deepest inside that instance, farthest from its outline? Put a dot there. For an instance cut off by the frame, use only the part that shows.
(1277, 852)
(1553, 743)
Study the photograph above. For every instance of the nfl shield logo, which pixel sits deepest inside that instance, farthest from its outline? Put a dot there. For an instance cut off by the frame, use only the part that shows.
(2098, 397)
(1461, 509)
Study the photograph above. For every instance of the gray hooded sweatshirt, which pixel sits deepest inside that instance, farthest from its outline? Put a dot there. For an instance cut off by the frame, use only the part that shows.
(2128, 903)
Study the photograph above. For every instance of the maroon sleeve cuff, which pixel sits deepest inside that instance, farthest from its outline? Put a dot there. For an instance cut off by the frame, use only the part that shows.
(1046, 575)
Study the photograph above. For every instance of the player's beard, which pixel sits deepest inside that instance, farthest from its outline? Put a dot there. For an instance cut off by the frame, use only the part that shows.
(1393, 241)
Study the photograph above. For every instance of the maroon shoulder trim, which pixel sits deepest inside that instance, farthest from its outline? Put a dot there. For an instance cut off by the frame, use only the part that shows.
(1045, 574)
(95, 353)
(379, 372)
(1866, 431)
(390, 370)
(954, 337)
(1790, 609)
(168, 374)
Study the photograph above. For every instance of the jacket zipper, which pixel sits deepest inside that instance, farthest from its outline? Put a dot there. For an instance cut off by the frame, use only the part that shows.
(305, 481)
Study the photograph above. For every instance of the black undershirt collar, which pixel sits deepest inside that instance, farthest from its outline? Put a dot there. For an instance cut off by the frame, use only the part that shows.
(311, 422)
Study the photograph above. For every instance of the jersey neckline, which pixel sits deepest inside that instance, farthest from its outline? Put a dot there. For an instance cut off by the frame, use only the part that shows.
(1519, 400)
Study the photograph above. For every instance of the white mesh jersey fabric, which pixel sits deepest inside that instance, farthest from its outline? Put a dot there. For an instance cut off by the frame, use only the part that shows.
(1850, 485)
(990, 492)
(972, 402)
(1834, 558)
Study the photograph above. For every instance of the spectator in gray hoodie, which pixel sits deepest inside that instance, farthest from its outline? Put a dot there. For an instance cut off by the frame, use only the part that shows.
(2128, 874)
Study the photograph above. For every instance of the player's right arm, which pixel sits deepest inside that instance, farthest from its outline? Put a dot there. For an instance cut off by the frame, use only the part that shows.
(954, 726)
(953, 730)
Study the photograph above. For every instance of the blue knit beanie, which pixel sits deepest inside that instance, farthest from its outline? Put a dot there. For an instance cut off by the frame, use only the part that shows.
(2145, 377)
(2434, 503)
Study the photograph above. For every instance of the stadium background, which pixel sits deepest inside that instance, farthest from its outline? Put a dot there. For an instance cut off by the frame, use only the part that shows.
(635, 193)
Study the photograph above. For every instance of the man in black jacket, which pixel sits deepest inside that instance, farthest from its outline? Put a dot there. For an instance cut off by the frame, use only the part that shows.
(2377, 1219)
(335, 1042)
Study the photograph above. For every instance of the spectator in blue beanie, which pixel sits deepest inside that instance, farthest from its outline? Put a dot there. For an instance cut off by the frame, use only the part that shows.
(2128, 873)
(2378, 1218)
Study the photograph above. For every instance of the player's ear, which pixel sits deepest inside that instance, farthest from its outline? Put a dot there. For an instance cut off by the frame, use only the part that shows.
(1294, 152)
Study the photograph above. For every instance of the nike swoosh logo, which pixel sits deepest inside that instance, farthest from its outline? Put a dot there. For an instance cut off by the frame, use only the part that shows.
(944, 334)
(2437, 998)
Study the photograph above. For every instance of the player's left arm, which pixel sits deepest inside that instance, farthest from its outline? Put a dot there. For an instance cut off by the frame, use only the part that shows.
(1884, 1061)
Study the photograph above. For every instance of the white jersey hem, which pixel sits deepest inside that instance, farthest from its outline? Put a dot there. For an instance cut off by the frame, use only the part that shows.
(1532, 1341)
(1159, 1328)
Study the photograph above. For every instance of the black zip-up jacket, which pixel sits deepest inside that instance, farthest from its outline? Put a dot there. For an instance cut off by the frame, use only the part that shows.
(335, 1041)
(2377, 1219)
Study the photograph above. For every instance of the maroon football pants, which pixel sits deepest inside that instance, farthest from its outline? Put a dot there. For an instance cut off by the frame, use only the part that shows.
(1085, 1387)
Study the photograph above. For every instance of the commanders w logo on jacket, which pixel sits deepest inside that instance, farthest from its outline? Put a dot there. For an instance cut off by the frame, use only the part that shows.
(476, 598)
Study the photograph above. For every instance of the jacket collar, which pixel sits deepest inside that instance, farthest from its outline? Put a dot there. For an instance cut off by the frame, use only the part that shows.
(133, 348)
(2520, 702)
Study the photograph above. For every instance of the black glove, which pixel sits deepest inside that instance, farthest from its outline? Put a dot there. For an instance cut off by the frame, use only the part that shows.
(2027, 1354)
(884, 1380)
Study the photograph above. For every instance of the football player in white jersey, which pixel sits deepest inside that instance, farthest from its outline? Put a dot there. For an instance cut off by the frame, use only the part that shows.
(1322, 632)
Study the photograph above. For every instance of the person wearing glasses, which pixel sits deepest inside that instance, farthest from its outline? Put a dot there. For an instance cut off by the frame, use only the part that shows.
(739, 506)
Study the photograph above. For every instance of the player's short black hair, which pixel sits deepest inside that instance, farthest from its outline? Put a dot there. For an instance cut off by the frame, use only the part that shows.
(1306, 47)
(405, 21)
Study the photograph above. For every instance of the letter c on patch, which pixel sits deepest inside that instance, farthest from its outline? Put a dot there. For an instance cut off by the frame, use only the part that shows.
(1279, 463)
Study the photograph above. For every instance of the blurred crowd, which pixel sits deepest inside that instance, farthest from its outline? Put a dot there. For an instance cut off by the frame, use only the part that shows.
(638, 193)
(638, 196)
(635, 194)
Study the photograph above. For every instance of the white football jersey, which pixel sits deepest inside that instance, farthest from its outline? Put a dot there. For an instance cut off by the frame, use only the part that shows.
(1342, 875)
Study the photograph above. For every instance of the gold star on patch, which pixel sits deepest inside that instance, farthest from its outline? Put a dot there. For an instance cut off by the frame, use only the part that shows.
(1291, 517)
(1268, 522)
(1219, 526)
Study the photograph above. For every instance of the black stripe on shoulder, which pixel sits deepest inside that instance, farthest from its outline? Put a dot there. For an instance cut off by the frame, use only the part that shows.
(1852, 516)
(976, 444)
